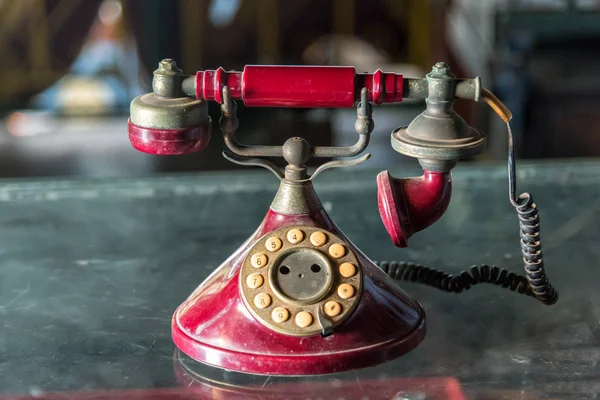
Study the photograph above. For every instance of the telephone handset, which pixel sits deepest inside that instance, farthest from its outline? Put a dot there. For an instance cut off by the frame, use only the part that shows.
(298, 297)
(534, 283)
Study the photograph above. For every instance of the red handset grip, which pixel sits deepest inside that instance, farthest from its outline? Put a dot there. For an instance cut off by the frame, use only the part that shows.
(409, 205)
(298, 86)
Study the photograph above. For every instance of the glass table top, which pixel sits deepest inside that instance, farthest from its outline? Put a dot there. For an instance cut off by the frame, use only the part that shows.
(91, 272)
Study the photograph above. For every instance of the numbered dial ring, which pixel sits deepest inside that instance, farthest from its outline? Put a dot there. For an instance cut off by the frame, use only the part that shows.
(296, 279)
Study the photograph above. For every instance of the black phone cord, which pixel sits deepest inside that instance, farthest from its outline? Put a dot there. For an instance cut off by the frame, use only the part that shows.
(535, 283)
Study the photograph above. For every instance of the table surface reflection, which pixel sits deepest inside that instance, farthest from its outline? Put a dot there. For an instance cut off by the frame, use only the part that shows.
(91, 271)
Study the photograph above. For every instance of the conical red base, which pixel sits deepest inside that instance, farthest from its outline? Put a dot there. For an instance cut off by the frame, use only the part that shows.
(214, 326)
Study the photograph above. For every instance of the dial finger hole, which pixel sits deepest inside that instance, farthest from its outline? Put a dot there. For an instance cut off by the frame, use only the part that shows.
(284, 270)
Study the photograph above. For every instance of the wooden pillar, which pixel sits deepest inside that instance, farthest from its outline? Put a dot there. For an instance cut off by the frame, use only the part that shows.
(343, 22)
(419, 33)
(267, 14)
(192, 14)
(39, 43)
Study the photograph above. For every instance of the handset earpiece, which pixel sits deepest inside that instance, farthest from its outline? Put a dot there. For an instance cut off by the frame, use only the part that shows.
(166, 121)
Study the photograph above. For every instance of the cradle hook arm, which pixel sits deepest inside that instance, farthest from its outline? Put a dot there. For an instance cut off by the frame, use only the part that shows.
(364, 126)
(253, 162)
(229, 124)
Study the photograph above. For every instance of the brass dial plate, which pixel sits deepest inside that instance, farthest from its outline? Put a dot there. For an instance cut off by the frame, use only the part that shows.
(300, 277)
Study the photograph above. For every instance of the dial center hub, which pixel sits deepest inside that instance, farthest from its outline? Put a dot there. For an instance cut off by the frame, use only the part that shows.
(303, 275)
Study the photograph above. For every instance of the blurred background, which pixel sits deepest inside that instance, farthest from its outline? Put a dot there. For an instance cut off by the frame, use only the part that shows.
(69, 68)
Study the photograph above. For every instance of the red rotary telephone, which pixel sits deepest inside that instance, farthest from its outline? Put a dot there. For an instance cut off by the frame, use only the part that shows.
(298, 297)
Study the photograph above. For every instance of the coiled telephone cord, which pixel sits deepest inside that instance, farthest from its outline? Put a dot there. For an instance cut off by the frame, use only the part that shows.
(412, 272)
(535, 283)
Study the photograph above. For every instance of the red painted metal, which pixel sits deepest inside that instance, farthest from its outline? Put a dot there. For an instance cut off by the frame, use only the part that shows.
(410, 205)
(169, 141)
(214, 326)
(298, 86)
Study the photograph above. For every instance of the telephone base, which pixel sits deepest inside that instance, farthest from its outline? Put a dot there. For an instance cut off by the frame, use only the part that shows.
(217, 327)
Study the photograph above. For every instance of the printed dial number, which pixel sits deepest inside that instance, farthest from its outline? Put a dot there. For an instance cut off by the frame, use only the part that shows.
(345, 291)
(280, 314)
(295, 236)
(258, 260)
(273, 244)
(262, 300)
(254, 281)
